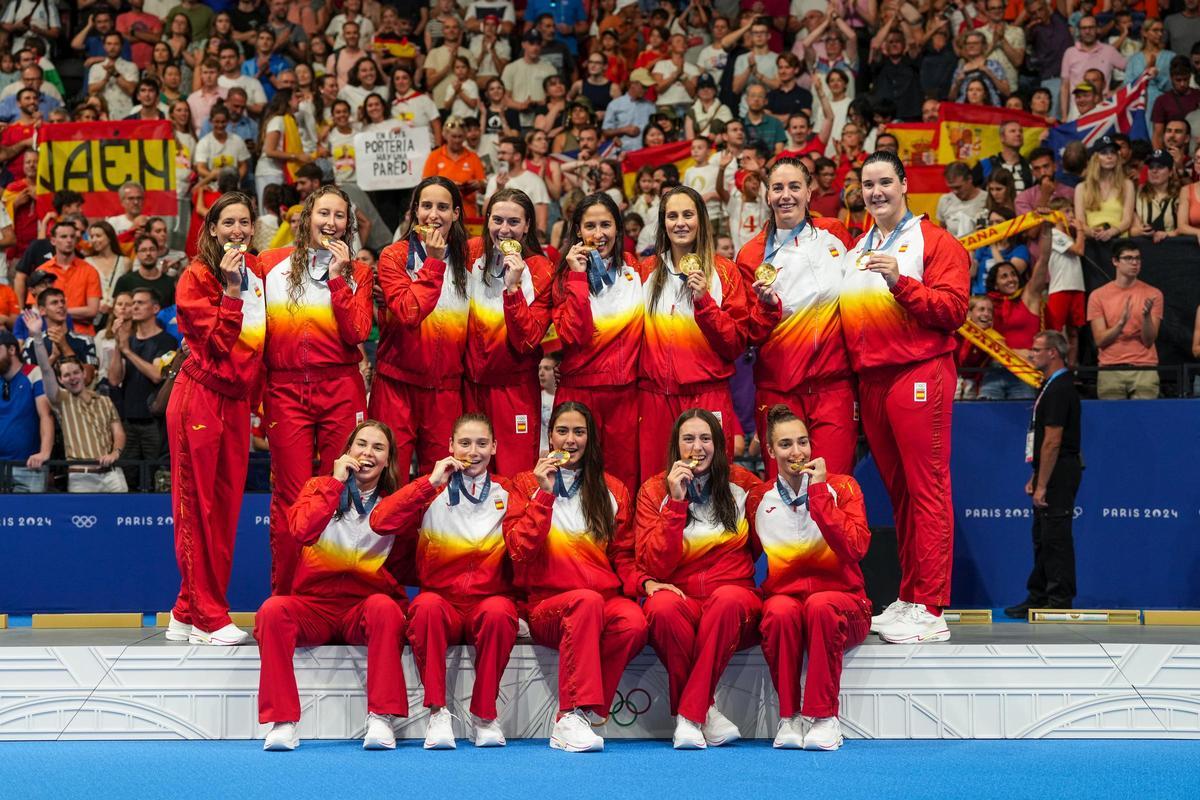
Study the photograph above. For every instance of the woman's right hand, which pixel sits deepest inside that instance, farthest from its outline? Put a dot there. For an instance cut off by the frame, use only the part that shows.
(678, 478)
(545, 470)
(345, 466)
(443, 469)
(577, 258)
(435, 244)
(231, 265)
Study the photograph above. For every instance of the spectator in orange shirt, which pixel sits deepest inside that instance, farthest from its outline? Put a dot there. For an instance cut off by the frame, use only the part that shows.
(455, 162)
(77, 278)
(1125, 316)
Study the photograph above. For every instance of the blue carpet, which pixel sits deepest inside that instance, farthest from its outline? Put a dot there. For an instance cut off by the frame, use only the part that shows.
(1061, 770)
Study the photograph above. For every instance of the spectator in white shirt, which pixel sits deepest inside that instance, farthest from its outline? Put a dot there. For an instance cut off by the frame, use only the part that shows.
(511, 174)
(702, 176)
(230, 61)
(351, 12)
(114, 78)
(220, 149)
(490, 53)
(412, 108)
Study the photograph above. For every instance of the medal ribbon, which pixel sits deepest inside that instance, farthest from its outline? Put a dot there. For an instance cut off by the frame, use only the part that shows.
(778, 243)
(456, 489)
(415, 250)
(352, 496)
(560, 488)
(598, 274)
(891, 239)
(785, 493)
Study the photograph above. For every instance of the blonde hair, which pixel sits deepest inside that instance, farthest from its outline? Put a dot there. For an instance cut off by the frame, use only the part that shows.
(1094, 179)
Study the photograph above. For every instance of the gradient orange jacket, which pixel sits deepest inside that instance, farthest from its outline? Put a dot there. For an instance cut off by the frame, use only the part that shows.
(505, 331)
(601, 334)
(423, 332)
(224, 334)
(327, 322)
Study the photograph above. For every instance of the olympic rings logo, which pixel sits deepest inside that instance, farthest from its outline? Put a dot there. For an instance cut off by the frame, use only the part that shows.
(83, 522)
(631, 706)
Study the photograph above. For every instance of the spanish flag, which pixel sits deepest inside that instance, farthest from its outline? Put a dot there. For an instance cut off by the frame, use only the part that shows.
(925, 185)
(677, 153)
(915, 138)
(970, 133)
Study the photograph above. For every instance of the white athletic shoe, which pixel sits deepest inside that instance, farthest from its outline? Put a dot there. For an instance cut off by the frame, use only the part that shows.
(226, 637)
(380, 735)
(282, 736)
(888, 615)
(916, 626)
(825, 734)
(488, 733)
(440, 733)
(718, 730)
(177, 631)
(790, 735)
(573, 734)
(688, 735)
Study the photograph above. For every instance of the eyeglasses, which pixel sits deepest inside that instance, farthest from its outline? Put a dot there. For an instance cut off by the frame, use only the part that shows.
(1130, 259)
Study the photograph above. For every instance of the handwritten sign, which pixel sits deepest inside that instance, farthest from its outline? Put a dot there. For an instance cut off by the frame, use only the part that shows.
(391, 159)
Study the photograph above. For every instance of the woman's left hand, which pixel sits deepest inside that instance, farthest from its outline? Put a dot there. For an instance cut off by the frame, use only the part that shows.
(885, 265)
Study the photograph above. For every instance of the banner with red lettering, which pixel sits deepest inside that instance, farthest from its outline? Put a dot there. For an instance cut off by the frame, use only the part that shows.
(96, 158)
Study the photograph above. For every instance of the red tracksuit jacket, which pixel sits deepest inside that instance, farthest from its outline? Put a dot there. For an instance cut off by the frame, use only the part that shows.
(326, 325)
(344, 557)
(916, 319)
(504, 332)
(423, 333)
(601, 335)
(685, 344)
(815, 548)
(553, 551)
(800, 339)
(698, 556)
(225, 335)
(460, 548)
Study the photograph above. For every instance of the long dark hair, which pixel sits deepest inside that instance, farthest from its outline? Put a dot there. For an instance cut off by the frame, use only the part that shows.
(303, 235)
(662, 242)
(724, 509)
(573, 235)
(209, 250)
(787, 161)
(280, 106)
(389, 479)
(456, 242)
(594, 495)
(529, 245)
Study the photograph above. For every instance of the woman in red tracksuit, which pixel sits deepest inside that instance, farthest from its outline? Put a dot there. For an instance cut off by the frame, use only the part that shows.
(456, 515)
(572, 553)
(423, 332)
(597, 312)
(695, 565)
(345, 590)
(509, 313)
(219, 300)
(694, 328)
(802, 360)
(319, 311)
(903, 296)
(812, 524)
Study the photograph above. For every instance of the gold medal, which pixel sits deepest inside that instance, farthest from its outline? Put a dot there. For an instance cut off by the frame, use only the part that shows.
(423, 230)
(510, 247)
(241, 247)
(766, 274)
(795, 467)
(561, 456)
(325, 240)
(692, 463)
(466, 462)
(862, 260)
(689, 264)
(589, 244)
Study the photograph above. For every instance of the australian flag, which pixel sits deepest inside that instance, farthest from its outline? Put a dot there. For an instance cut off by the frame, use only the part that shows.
(1124, 113)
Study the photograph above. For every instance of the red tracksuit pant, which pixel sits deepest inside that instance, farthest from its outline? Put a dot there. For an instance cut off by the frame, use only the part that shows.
(822, 627)
(287, 622)
(434, 623)
(209, 437)
(657, 414)
(308, 421)
(827, 411)
(616, 414)
(695, 638)
(595, 639)
(906, 415)
(422, 420)
(516, 415)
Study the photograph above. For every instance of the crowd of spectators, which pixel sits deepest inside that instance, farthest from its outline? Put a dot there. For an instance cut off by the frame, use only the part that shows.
(550, 96)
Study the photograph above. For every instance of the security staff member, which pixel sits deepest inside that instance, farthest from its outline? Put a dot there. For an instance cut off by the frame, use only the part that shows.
(1052, 446)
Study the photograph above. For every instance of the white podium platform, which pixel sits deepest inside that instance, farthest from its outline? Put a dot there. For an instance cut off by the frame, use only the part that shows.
(988, 682)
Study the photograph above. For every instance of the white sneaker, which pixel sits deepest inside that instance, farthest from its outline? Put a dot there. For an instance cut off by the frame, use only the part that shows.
(380, 735)
(916, 626)
(226, 637)
(177, 631)
(573, 734)
(688, 735)
(888, 615)
(790, 735)
(825, 734)
(440, 733)
(488, 733)
(718, 730)
(282, 736)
